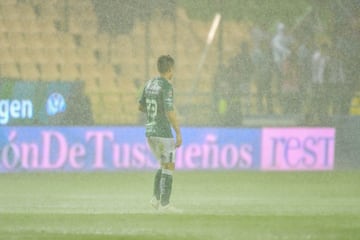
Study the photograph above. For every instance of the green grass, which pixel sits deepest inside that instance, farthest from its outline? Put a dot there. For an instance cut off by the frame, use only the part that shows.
(217, 205)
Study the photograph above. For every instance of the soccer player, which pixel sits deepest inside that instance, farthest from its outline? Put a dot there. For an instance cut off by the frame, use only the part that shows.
(156, 102)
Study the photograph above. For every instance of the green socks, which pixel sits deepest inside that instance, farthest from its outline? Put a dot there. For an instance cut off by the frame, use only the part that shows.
(165, 186)
(157, 184)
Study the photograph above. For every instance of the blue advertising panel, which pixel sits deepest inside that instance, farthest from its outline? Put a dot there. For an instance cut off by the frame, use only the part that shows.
(31, 103)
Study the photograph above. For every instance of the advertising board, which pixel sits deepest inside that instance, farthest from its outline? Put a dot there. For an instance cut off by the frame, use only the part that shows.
(31, 103)
(288, 149)
(125, 148)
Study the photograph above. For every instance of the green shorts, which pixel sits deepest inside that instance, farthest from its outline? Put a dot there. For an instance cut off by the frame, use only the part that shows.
(162, 148)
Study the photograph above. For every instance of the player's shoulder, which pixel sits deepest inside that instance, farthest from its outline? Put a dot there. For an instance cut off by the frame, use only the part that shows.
(165, 83)
(148, 83)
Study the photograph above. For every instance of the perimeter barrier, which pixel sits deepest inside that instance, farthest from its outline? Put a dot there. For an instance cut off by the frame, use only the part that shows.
(73, 149)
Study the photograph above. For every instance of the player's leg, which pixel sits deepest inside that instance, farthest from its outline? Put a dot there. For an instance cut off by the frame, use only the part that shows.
(157, 178)
(168, 166)
(154, 147)
(166, 187)
(166, 183)
(164, 150)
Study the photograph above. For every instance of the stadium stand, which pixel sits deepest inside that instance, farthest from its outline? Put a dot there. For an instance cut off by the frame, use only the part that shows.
(60, 40)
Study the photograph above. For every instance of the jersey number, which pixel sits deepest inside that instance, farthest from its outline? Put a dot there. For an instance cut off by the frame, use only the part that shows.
(151, 107)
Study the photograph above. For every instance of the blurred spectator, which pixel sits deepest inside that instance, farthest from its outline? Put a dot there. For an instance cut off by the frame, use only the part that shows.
(280, 51)
(240, 76)
(290, 86)
(221, 97)
(261, 58)
(79, 110)
(304, 70)
(141, 119)
(336, 86)
(317, 106)
(280, 47)
(347, 38)
(258, 35)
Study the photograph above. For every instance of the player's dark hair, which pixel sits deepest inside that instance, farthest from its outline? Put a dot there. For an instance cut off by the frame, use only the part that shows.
(164, 63)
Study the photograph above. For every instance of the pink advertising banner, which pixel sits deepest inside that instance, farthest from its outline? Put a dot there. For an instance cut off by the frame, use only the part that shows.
(297, 149)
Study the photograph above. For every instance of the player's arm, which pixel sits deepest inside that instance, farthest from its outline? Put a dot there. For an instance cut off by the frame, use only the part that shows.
(171, 115)
(142, 103)
(141, 108)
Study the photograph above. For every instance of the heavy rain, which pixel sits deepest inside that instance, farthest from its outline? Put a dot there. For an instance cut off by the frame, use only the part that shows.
(179, 119)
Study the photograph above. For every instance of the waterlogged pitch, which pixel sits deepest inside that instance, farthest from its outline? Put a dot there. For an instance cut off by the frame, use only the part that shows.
(217, 205)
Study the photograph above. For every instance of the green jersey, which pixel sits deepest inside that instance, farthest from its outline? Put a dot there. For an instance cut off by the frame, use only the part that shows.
(157, 99)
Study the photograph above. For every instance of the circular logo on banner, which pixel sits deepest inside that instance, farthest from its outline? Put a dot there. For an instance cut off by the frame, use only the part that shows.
(55, 104)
